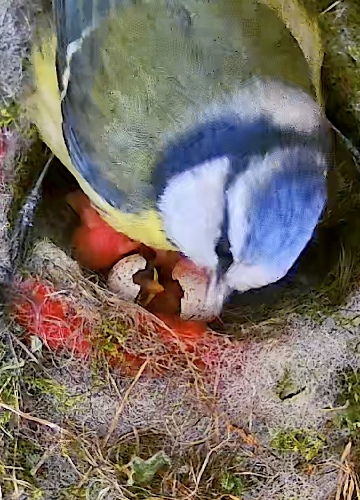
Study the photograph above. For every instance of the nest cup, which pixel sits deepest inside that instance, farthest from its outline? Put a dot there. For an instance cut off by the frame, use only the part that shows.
(324, 276)
(327, 269)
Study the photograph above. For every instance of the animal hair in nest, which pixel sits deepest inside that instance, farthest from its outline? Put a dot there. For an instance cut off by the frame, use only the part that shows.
(15, 37)
(239, 390)
(114, 320)
(242, 391)
(16, 18)
(9, 152)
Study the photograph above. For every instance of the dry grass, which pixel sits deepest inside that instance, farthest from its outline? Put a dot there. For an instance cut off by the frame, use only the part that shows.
(75, 428)
(348, 481)
(214, 428)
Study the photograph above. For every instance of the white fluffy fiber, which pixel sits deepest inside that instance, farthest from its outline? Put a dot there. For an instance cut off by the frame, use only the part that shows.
(15, 32)
(313, 354)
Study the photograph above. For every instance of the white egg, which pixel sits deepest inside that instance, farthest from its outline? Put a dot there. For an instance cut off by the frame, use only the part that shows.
(196, 303)
(120, 279)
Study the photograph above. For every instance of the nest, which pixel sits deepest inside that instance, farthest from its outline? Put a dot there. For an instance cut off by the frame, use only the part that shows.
(262, 419)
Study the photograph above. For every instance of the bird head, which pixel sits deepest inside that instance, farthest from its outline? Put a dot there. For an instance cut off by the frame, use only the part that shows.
(242, 193)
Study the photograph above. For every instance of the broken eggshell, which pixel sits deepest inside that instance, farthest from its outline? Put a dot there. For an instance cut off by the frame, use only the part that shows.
(196, 303)
(133, 279)
(120, 278)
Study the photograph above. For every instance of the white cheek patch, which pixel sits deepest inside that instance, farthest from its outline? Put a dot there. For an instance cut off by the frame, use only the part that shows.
(192, 207)
(243, 277)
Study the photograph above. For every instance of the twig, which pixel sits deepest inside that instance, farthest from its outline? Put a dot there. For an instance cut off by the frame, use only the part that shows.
(69, 459)
(123, 403)
(203, 467)
(331, 7)
(42, 460)
(23, 346)
(348, 482)
(85, 477)
(338, 408)
(25, 220)
(350, 146)
(27, 416)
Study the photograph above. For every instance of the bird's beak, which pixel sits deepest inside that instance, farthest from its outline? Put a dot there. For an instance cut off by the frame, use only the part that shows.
(216, 292)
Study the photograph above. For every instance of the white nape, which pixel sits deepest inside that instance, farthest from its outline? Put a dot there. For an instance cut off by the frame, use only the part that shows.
(192, 207)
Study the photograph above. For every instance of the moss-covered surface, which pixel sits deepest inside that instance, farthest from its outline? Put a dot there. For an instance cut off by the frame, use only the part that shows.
(340, 29)
(290, 416)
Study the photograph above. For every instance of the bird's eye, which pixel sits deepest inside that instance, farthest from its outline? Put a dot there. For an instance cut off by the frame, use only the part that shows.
(223, 247)
(225, 256)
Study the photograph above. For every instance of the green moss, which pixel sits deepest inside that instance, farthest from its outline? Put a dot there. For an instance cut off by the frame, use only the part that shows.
(349, 396)
(112, 334)
(341, 75)
(20, 456)
(10, 378)
(28, 455)
(37, 494)
(285, 387)
(9, 115)
(113, 328)
(81, 493)
(306, 443)
(142, 472)
(342, 65)
(232, 484)
(62, 398)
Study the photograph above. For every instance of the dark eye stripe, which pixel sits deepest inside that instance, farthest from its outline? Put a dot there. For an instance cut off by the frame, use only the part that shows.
(223, 247)
(225, 258)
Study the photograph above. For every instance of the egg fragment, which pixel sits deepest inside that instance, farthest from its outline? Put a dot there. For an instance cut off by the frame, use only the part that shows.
(196, 304)
(121, 277)
(133, 278)
(183, 289)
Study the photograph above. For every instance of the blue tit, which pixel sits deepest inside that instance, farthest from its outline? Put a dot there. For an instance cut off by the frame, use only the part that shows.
(192, 125)
(258, 185)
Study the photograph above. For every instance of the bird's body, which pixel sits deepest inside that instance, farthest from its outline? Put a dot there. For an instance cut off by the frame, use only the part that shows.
(176, 116)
